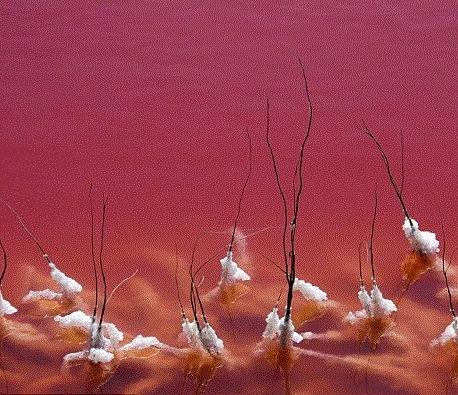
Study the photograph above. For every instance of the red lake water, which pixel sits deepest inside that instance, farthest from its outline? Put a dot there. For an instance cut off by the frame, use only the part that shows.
(150, 102)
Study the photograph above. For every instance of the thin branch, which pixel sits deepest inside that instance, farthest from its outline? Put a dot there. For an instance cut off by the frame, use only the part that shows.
(282, 194)
(21, 222)
(272, 262)
(301, 156)
(360, 261)
(371, 245)
(5, 259)
(402, 163)
(102, 271)
(120, 284)
(390, 175)
(243, 189)
(192, 291)
(94, 265)
(176, 283)
(452, 309)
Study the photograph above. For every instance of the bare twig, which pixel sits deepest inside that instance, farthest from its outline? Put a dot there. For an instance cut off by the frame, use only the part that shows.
(243, 190)
(398, 192)
(280, 189)
(5, 261)
(102, 271)
(94, 265)
(444, 271)
(371, 244)
(22, 223)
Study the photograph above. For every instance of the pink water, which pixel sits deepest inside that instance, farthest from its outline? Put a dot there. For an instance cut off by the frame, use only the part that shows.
(150, 101)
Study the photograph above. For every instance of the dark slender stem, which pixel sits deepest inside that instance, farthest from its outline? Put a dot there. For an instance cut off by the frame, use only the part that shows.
(360, 261)
(272, 262)
(452, 309)
(243, 190)
(176, 283)
(193, 287)
(371, 245)
(390, 175)
(402, 163)
(94, 264)
(282, 194)
(297, 198)
(304, 141)
(102, 271)
(5, 261)
(21, 222)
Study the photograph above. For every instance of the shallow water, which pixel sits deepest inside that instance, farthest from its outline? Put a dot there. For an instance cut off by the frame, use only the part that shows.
(150, 103)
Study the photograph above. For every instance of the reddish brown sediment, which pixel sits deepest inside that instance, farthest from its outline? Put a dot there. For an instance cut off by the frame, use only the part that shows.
(415, 264)
(93, 375)
(282, 357)
(372, 329)
(202, 366)
(72, 335)
(307, 310)
(230, 293)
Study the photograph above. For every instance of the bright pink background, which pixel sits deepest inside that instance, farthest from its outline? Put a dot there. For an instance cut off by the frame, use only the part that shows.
(149, 100)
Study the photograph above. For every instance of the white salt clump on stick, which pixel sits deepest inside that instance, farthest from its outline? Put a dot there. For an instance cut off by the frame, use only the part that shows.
(374, 305)
(309, 291)
(77, 319)
(210, 340)
(69, 287)
(231, 272)
(423, 241)
(276, 328)
(6, 307)
(450, 333)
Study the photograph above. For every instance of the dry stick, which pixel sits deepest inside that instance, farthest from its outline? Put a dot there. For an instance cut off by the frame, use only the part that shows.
(193, 292)
(282, 194)
(102, 271)
(361, 281)
(402, 163)
(296, 202)
(5, 378)
(390, 175)
(120, 284)
(371, 245)
(452, 309)
(94, 265)
(272, 262)
(5, 260)
(21, 222)
(183, 315)
(243, 190)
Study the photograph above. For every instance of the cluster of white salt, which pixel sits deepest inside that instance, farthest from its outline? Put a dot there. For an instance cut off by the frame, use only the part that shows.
(374, 305)
(6, 307)
(191, 333)
(45, 294)
(105, 343)
(76, 319)
(205, 339)
(107, 339)
(140, 343)
(212, 343)
(95, 355)
(231, 272)
(423, 241)
(450, 333)
(309, 291)
(69, 287)
(277, 329)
